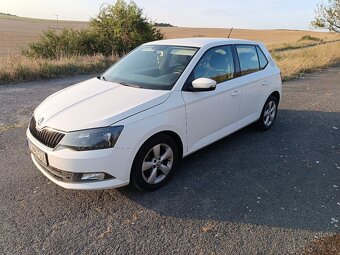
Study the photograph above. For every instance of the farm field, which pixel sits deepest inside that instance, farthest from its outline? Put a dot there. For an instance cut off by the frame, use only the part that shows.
(295, 51)
(16, 32)
(268, 37)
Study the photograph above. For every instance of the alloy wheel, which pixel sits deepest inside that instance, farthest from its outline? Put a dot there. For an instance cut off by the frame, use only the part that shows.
(269, 113)
(157, 163)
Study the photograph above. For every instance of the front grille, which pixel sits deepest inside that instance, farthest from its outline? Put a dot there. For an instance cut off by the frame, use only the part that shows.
(47, 137)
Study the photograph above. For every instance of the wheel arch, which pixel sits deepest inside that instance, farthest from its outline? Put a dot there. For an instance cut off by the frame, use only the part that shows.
(277, 95)
(174, 136)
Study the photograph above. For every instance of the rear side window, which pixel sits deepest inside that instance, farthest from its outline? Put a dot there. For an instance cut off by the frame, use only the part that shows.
(262, 58)
(249, 61)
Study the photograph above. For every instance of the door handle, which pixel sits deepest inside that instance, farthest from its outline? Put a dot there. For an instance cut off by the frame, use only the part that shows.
(236, 92)
(264, 83)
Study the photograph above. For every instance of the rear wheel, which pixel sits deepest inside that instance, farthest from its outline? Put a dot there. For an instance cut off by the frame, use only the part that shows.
(154, 163)
(268, 114)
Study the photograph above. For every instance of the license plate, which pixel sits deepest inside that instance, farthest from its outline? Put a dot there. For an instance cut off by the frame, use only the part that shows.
(40, 155)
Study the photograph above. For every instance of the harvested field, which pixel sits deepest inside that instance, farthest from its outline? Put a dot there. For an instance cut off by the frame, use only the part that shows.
(16, 32)
(293, 55)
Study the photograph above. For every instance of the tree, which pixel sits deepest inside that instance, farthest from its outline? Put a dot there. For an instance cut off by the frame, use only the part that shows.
(116, 30)
(328, 16)
(122, 27)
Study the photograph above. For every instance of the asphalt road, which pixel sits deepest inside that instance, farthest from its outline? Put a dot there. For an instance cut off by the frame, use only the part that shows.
(250, 193)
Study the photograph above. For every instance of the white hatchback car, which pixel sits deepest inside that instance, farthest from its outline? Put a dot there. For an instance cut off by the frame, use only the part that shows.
(161, 102)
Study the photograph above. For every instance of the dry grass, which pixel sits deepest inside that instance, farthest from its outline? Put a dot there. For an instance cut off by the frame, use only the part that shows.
(16, 32)
(303, 60)
(294, 59)
(19, 68)
(294, 56)
(268, 37)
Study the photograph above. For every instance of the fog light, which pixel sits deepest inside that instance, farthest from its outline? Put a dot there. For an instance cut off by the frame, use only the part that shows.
(93, 177)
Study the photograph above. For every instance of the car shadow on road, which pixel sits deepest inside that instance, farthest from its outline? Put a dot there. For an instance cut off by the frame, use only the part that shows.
(286, 177)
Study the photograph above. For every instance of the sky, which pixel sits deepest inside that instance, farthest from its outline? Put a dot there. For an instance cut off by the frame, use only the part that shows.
(257, 14)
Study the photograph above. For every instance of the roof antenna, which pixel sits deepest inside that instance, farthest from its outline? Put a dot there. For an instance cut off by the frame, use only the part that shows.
(231, 30)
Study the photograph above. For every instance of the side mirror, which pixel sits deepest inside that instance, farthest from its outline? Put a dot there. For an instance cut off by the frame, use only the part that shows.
(203, 84)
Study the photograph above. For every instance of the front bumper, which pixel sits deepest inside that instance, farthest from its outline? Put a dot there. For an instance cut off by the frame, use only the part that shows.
(115, 162)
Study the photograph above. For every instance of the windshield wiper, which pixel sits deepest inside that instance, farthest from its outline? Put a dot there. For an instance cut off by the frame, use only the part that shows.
(128, 84)
(101, 77)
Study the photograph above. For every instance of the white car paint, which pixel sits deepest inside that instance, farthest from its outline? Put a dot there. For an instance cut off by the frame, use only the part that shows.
(198, 118)
(116, 102)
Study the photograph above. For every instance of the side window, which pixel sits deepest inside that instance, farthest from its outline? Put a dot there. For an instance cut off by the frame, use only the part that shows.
(249, 61)
(262, 58)
(216, 64)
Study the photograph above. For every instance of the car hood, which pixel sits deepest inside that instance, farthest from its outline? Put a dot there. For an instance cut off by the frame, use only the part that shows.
(95, 103)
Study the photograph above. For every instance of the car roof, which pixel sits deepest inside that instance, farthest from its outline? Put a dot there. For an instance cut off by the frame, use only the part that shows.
(201, 42)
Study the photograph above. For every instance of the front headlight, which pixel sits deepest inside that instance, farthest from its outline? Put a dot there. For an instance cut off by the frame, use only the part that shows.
(92, 139)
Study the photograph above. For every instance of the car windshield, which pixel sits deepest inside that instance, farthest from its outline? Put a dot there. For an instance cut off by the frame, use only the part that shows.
(151, 67)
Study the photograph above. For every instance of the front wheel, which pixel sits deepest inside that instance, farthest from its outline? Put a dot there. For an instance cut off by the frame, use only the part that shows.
(154, 163)
(268, 114)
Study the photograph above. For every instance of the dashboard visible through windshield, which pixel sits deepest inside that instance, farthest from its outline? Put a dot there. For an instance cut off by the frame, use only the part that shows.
(151, 66)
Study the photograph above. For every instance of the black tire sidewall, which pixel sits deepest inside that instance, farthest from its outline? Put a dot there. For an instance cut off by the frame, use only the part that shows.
(136, 177)
(260, 122)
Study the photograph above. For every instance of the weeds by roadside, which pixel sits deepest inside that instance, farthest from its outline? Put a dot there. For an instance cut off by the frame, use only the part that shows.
(294, 63)
(20, 68)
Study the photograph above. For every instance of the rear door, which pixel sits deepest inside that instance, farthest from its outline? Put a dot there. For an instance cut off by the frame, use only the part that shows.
(252, 63)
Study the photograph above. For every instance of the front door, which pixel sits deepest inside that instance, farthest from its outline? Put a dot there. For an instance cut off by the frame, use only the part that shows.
(210, 113)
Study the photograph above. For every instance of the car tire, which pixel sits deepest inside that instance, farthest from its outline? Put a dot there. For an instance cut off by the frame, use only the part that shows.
(268, 114)
(154, 163)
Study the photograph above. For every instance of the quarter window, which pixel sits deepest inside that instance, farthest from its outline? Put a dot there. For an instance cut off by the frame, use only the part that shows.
(262, 58)
(249, 61)
(216, 64)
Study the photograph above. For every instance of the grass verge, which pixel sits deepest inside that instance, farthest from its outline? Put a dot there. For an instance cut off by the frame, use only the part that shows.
(294, 63)
(20, 68)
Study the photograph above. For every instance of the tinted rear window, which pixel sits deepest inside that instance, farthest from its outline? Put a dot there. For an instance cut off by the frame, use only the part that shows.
(249, 61)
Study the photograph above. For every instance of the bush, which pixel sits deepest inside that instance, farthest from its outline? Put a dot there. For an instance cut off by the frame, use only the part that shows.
(67, 43)
(122, 27)
(116, 30)
(310, 38)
